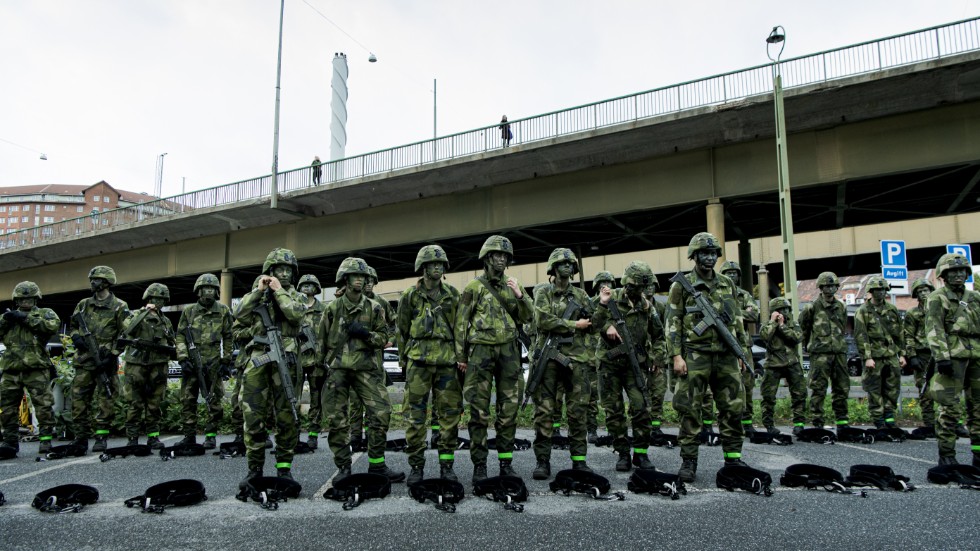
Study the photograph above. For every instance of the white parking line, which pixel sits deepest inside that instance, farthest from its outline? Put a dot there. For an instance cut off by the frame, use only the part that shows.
(862, 448)
(329, 483)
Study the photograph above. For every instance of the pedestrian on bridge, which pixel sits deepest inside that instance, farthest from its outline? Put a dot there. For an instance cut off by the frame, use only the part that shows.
(317, 171)
(505, 134)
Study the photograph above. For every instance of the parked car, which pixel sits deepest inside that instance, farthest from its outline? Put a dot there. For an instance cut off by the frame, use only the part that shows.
(390, 362)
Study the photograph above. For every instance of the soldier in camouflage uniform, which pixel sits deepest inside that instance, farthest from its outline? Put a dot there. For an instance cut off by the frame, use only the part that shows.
(615, 367)
(750, 317)
(149, 339)
(104, 315)
(881, 344)
(823, 322)
(313, 371)
(424, 328)
(209, 322)
(704, 361)
(491, 309)
(601, 279)
(953, 333)
(351, 332)
(658, 378)
(782, 334)
(562, 316)
(262, 388)
(917, 348)
(25, 365)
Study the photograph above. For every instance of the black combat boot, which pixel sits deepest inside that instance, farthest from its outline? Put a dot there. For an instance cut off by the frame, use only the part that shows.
(187, 440)
(434, 441)
(624, 465)
(948, 460)
(311, 441)
(735, 462)
(155, 443)
(81, 443)
(10, 446)
(416, 476)
(581, 466)
(44, 446)
(285, 473)
(134, 441)
(342, 473)
(542, 471)
(642, 461)
(210, 442)
(506, 469)
(268, 442)
(688, 471)
(748, 429)
(252, 475)
(479, 473)
(381, 468)
(593, 436)
(446, 471)
(961, 431)
(101, 443)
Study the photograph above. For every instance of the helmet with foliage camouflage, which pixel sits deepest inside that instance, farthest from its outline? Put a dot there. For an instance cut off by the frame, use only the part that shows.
(638, 273)
(827, 278)
(280, 255)
(207, 280)
(27, 289)
(497, 243)
(922, 282)
(158, 290)
(878, 283)
(949, 261)
(730, 265)
(604, 276)
(655, 282)
(373, 274)
(778, 303)
(104, 272)
(310, 278)
(701, 241)
(352, 265)
(431, 253)
(561, 255)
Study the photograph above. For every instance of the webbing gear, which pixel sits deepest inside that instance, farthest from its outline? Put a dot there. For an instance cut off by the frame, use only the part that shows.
(652, 481)
(68, 498)
(62, 451)
(227, 450)
(444, 493)
(270, 491)
(810, 476)
(181, 450)
(879, 476)
(759, 437)
(509, 490)
(856, 435)
(139, 450)
(743, 477)
(175, 493)
(818, 436)
(356, 488)
(592, 484)
(967, 476)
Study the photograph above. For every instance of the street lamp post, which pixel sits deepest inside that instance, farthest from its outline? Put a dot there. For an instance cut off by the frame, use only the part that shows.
(778, 38)
(273, 202)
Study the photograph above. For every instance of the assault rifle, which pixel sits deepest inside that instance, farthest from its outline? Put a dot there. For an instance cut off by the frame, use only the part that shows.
(93, 348)
(711, 318)
(148, 346)
(624, 333)
(195, 356)
(277, 351)
(550, 352)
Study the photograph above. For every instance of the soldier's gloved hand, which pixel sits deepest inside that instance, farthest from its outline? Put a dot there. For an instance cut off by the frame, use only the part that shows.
(79, 342)
(186, 369)
(110, 363)
(358, 331)
(15, 316)
(945, 367)
(225, 369)
(915, 363)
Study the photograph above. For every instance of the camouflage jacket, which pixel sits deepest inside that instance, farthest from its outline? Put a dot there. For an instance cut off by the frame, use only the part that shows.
(953, 324)
(390, 316)
(658, 347)
(878, 331)
(307, 333)
(482, 319)
(914, 328)
(748, 305)
(287, 312)
(210, 329)
(105, 320)
(682, 317)
(823, 327)
(644, 327)
(241, 334)
(147, 327)
(549, 306)
(26, 341)
(424, 325)
(781, 341)
(337, 349)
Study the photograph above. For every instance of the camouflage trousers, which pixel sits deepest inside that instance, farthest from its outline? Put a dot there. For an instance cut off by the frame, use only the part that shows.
(145, 387)
(88, 399)
(748, 383)
(797, 392)
(37, 384)
(572, 384)
(237, 417)
(356, 416)
(443, 382)
(882, 385)
(946, 390)
(721, 374)
(615, 379)
(316, 376)
(832, 369)
(657, 382)
(369, 387)
(926, 403)
(190, 388)
(592, 411)
(491, 365)
(262, 395)
(707, 409)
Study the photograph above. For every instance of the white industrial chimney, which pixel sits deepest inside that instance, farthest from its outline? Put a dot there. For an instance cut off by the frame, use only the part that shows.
(338, 107)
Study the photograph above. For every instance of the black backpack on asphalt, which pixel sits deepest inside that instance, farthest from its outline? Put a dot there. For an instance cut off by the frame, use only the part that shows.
(879, 476)
(743, 477)
(175, 493)
(855, 435)
(763, 437)
(818, 436)
(356, 488)
(270, 491)
(63, 451)
(651, 481)
(139, 450)
(809, 476)
(181, 450)
(509, 490)
(592, 484)
(228, 450)
(445, 494)
(967, 476)
(67, 498)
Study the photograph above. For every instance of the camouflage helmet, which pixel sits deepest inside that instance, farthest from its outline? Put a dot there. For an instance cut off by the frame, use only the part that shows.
(352, 265)
(778, 303)
(207, 280)
(701, 241)
(878, 283)
(922, 282)
(373, 274)
(638, 273)
(280, 256)
(827, 278)
(561, 255)
(158, 290)
(27, 289)
(951, 260)
(431, 253)
(497, 243)
(104, 272)
(310, 278)
(730, 265)
(603, 276)
(655, 282)
(258, 278)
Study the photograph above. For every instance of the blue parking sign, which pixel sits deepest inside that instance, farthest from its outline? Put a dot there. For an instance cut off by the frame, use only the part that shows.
(965, 251)
(893, 254)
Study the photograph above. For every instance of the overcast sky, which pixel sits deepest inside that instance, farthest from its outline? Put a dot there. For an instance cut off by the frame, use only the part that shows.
(102, 87)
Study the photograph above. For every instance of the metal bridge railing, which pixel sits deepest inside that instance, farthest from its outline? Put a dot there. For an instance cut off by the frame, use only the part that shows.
(868, 57)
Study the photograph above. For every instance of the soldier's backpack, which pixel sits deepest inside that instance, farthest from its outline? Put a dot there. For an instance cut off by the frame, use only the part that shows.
(809, 476)
(663, 440)
(818, 436)
(763, 437)
(139, 450)
(651, 481)
(62, 451)
(509, 490)
(593, 485)
(270, 491)
(879, 476)
(891, 434)
(356, 488)
(743, 477)
(227, 450)
(445, 494)
(181, 450)
(67, 498)
(175, 493)
(967, 476)
(921, 433)
(855, 435)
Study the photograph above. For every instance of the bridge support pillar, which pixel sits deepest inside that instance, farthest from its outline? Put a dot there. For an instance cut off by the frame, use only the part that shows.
(226, 281)
(715, 212)
(763, 293)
